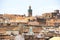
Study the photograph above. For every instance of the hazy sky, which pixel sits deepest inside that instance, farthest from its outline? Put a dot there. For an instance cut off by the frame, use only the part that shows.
(21, 6)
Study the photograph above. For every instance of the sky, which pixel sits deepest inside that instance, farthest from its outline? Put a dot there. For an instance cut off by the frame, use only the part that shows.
(21, 6)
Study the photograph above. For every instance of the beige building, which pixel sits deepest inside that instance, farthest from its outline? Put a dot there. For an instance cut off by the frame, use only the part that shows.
(53, 22)
(47, 15)
(50, 22)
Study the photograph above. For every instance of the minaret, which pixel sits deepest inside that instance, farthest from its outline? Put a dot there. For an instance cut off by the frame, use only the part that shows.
(29, 12)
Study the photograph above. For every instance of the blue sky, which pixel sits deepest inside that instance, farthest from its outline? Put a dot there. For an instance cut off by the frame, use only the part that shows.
(21, 6)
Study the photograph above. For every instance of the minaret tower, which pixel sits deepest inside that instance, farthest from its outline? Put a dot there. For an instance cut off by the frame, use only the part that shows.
(29, 12)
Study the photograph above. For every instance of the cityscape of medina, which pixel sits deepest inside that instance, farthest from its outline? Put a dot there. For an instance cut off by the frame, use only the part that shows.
(29, 19)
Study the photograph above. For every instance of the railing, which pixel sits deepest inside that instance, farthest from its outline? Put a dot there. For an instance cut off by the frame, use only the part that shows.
(6, 37)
